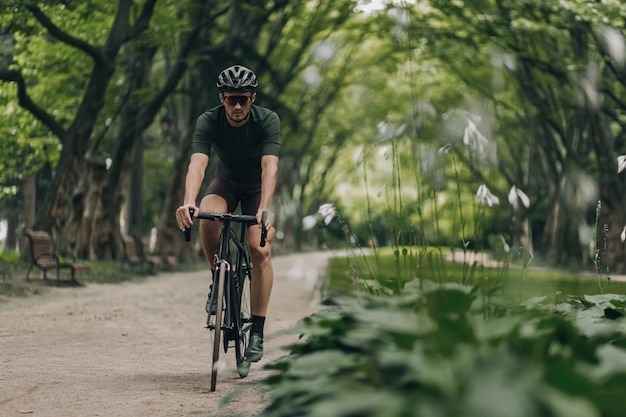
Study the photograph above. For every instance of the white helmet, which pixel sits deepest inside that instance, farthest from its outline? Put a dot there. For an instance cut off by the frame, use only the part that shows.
(237, 78)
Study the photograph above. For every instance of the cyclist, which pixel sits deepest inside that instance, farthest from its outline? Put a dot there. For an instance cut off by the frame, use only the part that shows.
(246, 139)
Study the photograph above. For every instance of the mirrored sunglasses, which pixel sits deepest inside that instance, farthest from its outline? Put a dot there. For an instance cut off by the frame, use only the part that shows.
(234, 100)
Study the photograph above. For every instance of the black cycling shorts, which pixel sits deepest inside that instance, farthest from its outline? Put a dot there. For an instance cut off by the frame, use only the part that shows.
(234, 192)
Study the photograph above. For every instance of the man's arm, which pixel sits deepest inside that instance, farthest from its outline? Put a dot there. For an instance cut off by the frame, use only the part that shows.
(195, 175)
(269, 173)
(193, 181)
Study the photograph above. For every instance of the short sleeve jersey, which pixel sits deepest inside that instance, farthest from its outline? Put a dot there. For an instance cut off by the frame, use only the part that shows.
(239, 149)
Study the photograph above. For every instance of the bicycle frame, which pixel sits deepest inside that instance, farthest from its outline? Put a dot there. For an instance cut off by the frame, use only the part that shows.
(233, 276)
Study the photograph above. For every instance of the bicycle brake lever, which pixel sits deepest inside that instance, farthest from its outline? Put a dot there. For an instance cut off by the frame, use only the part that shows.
(187, 232)
(263, 228)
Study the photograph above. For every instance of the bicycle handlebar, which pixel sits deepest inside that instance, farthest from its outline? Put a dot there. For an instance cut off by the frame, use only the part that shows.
(187, 232)
(237, 218)
(263, 228)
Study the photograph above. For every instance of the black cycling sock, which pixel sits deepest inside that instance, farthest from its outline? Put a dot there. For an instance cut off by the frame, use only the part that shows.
(258, 322)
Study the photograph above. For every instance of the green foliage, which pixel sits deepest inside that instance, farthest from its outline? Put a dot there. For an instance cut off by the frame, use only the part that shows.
(439, 350)
(26, 145)
(55, 74)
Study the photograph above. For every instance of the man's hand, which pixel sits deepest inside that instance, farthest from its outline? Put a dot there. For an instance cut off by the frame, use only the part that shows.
(183, 218)
(269, 218)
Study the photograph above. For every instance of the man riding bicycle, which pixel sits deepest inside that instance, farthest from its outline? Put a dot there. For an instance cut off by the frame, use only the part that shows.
(246, 139)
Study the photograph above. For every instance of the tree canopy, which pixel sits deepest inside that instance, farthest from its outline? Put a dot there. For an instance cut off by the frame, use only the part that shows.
(397, 116)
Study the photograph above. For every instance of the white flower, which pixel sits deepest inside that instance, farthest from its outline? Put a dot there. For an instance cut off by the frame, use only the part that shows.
(623, 235)
(327, 211)
(309, 222)
(359, 158)
(621, 163)
(444, 150)
(505, 245)
(385, 130)
(484, 196)
(388, 131)
(381, 190)
(475, 140)
(516, 195)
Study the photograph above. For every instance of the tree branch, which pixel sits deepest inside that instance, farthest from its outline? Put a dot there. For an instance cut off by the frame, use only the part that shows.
(26, 102)
(188, 45)
(143, 21)
(62, 36)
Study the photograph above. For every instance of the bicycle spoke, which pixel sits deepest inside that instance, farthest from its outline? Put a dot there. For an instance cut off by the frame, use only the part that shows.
(219, 321)
(245, 319)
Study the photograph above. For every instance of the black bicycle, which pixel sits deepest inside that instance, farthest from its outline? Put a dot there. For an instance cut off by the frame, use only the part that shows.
(229, 315)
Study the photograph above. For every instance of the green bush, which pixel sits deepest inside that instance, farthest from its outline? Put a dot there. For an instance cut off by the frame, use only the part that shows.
(445, 350)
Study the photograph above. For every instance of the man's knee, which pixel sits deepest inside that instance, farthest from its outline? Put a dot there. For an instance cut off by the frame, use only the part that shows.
(260, 255)
(213, 203)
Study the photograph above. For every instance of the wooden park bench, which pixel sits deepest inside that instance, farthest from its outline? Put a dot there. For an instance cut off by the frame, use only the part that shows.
(134, 255)
(43, 256)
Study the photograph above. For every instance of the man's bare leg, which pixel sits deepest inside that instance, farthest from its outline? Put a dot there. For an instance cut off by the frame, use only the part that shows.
(262, 270)
(261, 288)
(210, 230)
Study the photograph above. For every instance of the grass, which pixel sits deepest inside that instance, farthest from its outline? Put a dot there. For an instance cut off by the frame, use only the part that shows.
(390, 270)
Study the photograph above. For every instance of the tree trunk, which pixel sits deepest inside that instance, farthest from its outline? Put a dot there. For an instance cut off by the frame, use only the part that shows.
(202, 95)
(29, 196)
(103, 229)
(549, 235)
(108, 234)
(78, 238)
(29, 193)
(136, 118)
(134, 206)
(13, 222)
(169, 238)
(68, 188)
(610, 253)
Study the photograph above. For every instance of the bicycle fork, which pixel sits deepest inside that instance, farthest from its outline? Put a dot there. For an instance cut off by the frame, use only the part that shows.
(213, 294)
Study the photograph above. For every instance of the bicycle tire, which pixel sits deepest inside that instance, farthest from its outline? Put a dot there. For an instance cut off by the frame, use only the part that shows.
(244, 312)
(219, 324)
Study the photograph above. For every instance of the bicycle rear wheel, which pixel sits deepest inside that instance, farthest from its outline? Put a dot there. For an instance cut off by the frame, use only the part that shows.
(245, 321)
(218, 285)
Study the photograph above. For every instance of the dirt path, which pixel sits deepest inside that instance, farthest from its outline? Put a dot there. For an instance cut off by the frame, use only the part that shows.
(138, 348)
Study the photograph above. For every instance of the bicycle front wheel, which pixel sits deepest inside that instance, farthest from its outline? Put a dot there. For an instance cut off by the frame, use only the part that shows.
(244, 313)
(218, 285)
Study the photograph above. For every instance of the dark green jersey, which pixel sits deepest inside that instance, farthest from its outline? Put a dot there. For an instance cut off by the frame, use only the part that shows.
(239, 149)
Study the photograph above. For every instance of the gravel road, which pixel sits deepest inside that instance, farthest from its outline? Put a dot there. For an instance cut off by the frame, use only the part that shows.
(139, 348)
